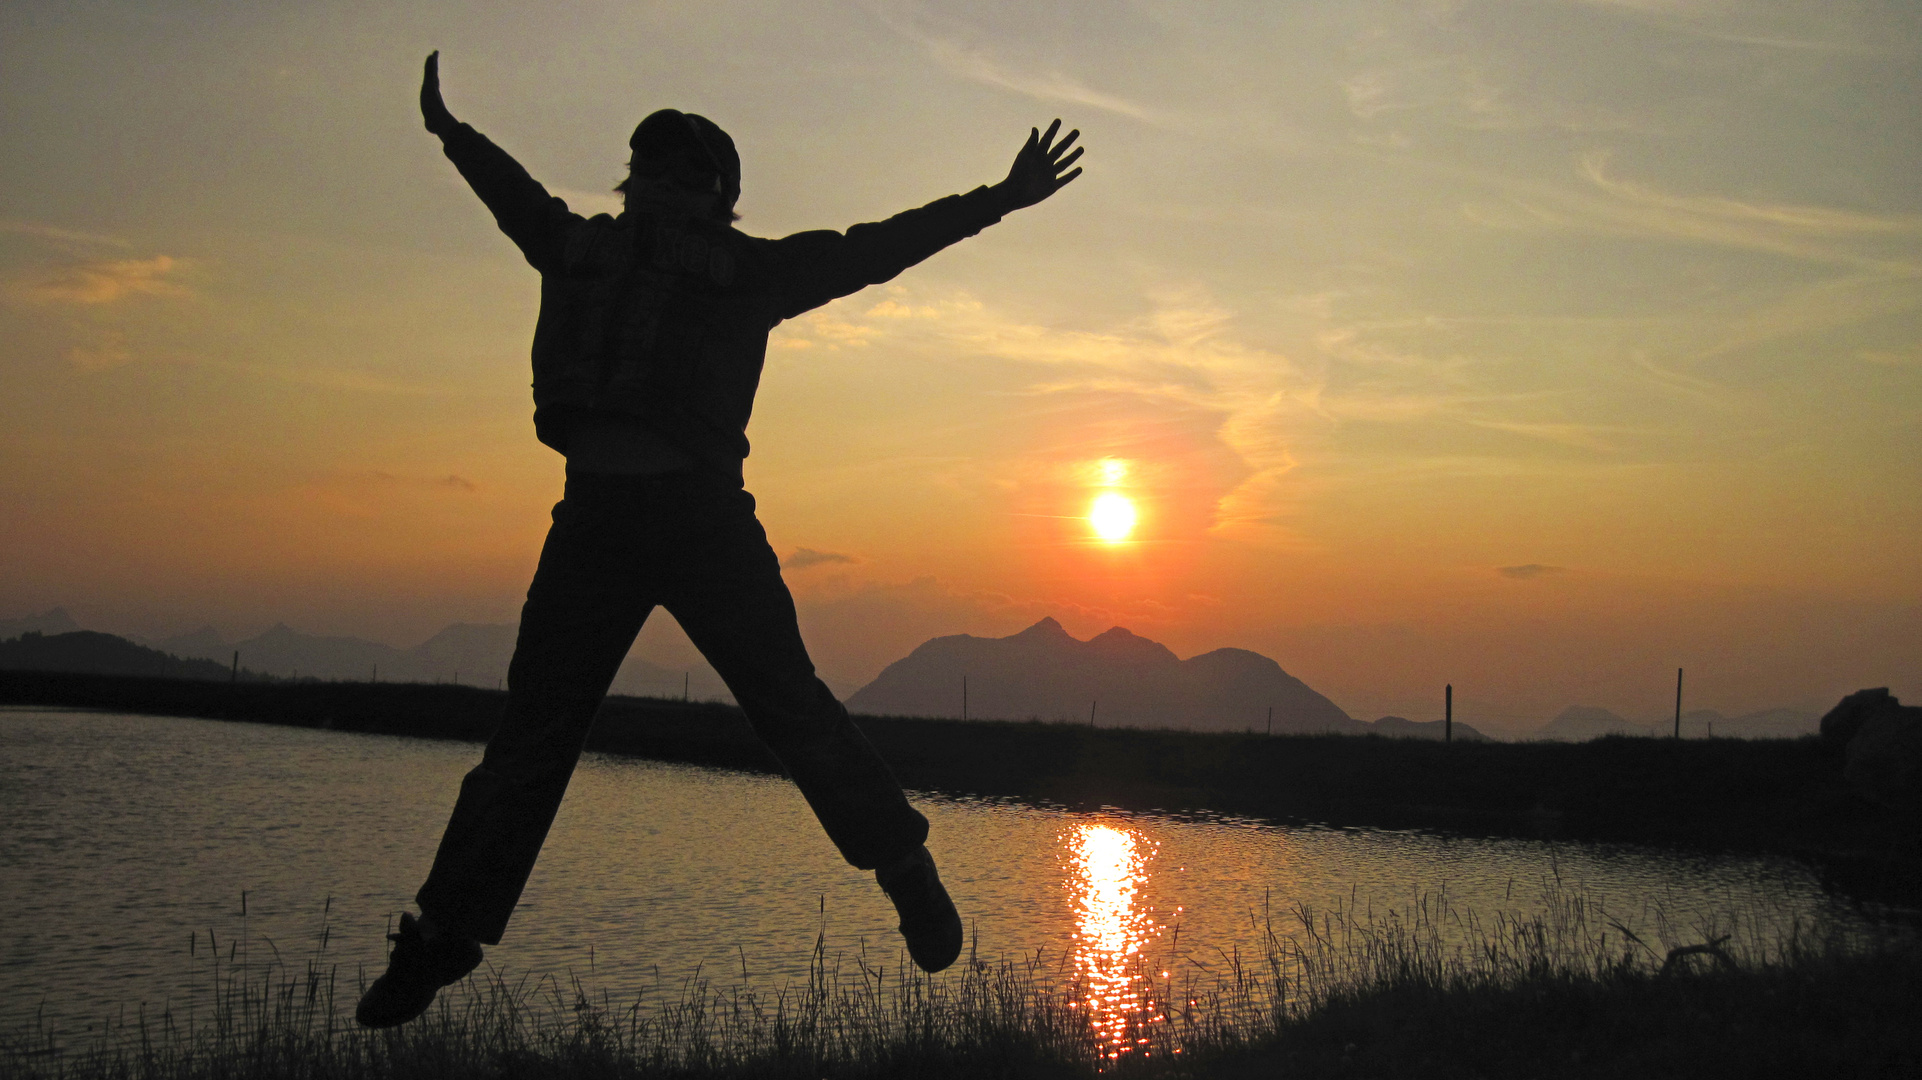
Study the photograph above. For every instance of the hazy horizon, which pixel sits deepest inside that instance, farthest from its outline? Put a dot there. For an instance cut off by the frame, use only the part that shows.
(1537, 347)
(651, 678)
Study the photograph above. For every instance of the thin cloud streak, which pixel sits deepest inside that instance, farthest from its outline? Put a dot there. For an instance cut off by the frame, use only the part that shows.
(802, 558)
(1810, 220)
(104, 281)
(1690, 20)
(1055, 86)
(450, 482)
(1828, 305)
(1611, 205)
(43, 231)
(1579, 436)
(1529, 571)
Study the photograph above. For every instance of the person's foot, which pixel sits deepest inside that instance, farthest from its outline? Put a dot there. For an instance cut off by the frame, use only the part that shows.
(928, 920)
(417, 969)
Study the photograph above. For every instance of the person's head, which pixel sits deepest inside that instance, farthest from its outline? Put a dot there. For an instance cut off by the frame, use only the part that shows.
(686, 161)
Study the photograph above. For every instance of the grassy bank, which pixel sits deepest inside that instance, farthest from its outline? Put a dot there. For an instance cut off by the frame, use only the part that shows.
(1424, 991)
(1783, 795)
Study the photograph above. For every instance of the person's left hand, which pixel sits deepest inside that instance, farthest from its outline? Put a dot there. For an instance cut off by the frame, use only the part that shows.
(1038, 168)
(433, 111)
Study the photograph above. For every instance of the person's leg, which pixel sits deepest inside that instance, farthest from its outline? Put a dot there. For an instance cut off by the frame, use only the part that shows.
(585, 606)
(728, 595)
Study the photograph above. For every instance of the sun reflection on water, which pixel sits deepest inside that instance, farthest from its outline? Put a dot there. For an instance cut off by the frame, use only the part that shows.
(1112, 930)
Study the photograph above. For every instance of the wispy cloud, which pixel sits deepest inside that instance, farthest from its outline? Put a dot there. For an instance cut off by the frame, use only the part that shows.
(977, 66)
(1823, 307)
(1181, 359)
(77, 282)
(56, 234)
(1786, 218)
(371, 493)
(1468, 93)
(1579, 436)
(802, 558)
(451, 482)
(1711, 20)
(1529, 571)
(1184, 363)
(1677, 382)
(1876, 272)
(104, 281)
(1610, 204)
(1809, 233)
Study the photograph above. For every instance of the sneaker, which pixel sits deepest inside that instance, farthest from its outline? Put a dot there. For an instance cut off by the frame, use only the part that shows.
(928, 920)
(416, 970)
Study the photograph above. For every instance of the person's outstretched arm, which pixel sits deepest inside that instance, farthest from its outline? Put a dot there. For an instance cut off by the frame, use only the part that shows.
(536, 221)
(822, 266)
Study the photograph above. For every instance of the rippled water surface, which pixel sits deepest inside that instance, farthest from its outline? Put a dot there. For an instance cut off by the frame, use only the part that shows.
(129, 842)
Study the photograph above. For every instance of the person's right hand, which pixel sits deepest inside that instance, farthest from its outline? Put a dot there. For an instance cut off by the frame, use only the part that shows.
(1038, 168)
(432, 109)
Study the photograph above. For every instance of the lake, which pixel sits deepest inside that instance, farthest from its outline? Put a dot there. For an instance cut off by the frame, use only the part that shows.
(130, 842)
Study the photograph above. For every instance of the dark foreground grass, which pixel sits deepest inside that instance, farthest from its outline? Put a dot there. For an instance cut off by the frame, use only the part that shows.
(1426, 991)
(1821, 1016)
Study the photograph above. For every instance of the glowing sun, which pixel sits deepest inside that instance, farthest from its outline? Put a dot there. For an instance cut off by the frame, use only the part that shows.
(1113, 516)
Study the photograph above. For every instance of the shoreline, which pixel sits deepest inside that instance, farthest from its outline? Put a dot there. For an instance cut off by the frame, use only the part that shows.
(1781, 796)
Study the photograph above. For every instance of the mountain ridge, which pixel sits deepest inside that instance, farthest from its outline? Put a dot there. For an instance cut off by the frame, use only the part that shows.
(90, 652)
(1122, 678)
(478, 653)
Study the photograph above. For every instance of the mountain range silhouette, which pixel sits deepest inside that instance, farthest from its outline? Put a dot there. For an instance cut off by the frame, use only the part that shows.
(1126, 681)
(1040, 673)
(472, 653)
(90, 652)
(1579, 723)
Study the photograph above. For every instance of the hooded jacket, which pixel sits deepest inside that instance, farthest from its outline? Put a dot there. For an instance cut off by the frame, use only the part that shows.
(665, 319)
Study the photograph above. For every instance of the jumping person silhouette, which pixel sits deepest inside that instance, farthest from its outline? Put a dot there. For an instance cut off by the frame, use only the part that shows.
(652, 334)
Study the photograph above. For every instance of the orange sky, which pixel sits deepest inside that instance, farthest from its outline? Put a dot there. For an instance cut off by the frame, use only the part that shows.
(1540, 347)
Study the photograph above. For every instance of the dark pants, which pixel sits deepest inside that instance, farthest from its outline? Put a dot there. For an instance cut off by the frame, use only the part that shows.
(619, 546)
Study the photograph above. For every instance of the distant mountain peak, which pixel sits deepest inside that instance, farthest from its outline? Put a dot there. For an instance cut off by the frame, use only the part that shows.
(1586, 722)
(1045, 673)
(1122, 643)
(1400, 727)
(56, 621)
